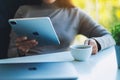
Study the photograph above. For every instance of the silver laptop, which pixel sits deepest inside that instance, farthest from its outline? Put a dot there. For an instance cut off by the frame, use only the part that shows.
(38, 71)
(55, 66)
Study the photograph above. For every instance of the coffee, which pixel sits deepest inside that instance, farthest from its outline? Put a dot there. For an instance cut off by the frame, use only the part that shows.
(82, 47)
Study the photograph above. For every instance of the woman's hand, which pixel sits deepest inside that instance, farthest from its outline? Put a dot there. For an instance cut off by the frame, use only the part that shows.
(94, 45)
(24, 44)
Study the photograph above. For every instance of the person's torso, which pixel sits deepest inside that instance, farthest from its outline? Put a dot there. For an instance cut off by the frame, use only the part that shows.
(65, 22)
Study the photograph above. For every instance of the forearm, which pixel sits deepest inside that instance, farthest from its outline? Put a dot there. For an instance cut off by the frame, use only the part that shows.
(105, 41)
(91, 29)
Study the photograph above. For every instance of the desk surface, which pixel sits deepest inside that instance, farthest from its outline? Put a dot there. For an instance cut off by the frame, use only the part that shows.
(102, 66)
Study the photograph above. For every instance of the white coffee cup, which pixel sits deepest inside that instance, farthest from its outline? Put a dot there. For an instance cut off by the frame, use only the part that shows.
(81, 52)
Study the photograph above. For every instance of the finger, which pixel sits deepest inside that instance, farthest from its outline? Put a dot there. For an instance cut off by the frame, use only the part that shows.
(34, 41)
(86, 42)
(24, 49)
(31, 43)
(89, 42)
(94, 46)
(27, 43)
(94, 52)
(20, 39)
(21, 48)
(95, 49)
(25, 46)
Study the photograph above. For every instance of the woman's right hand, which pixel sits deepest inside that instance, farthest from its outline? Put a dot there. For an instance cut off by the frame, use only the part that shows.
(24, 44)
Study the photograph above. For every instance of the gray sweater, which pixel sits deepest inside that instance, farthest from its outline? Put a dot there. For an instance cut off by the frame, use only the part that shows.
(67, 23)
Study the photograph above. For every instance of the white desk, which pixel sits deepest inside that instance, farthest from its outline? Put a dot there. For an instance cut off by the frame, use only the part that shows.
(102, 66)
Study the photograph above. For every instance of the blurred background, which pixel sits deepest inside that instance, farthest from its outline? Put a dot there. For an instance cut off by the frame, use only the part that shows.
(105, 12)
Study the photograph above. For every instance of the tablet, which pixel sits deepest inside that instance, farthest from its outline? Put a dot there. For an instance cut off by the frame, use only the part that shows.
(40, 29)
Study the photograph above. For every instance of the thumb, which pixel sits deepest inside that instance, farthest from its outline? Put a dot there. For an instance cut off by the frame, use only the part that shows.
(87, 42)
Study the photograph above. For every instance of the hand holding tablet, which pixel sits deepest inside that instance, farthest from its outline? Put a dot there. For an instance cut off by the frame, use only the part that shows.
(39, 29)
(24, 44)
(34, 31)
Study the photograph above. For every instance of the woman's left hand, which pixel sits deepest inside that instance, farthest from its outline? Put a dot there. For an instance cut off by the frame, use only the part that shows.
(94, 45)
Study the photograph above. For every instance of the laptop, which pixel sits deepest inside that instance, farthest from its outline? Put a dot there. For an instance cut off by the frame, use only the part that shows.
(38, 28)
(53, 70)
(38, 71)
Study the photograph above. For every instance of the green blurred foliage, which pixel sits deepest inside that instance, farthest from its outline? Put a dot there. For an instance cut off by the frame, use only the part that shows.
(106, 12)
(116, 33)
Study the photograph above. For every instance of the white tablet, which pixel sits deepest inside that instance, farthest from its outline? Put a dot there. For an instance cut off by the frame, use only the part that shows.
(39, 28)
